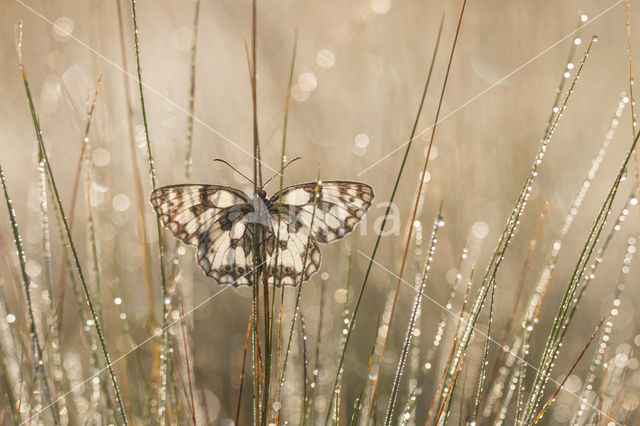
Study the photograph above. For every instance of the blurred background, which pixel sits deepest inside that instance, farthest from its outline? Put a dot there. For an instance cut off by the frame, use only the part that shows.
(359, 74)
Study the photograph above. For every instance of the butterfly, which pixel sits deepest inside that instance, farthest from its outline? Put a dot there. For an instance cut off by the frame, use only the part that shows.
(220, 222)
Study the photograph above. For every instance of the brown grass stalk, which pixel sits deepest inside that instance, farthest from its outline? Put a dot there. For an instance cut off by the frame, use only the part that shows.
(244, 361)
(575, 363)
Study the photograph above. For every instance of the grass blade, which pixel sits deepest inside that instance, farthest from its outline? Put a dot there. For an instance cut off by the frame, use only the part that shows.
(356, 407)
(137, 179)
(438, 223)
(165, 342)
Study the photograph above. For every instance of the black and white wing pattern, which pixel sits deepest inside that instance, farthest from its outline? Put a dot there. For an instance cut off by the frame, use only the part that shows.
(298, 256)
(339, 208)
(210, 217)
(220, 221)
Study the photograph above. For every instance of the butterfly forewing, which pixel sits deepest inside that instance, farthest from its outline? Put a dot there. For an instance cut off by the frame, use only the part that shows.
(189, 210)
(339, 207)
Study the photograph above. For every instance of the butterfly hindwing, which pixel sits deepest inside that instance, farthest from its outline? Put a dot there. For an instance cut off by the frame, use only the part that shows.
(339, 207)
(298, 256)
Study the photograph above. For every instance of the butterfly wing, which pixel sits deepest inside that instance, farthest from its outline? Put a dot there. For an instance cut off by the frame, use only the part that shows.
(210, 217)
(339, 208)
(298, 255)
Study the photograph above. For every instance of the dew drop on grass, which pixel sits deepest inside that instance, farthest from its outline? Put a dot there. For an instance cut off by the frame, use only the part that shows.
(170, 121)
(98, 187)
(120, 202)
(106, 232)
(63, 28)
(33, 268)
(361, 140)
(434, 152)
(325, 58)
(101, 157)
(381, 6)
(307, 81)
(340, 295)
(382, 331)
(480, 230)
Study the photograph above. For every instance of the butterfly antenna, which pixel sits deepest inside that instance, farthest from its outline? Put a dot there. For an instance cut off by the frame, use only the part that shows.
(233, 168)
(278, 173)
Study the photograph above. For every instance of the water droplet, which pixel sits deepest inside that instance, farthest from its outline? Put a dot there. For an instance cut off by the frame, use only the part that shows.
(325, 58)
(361, 140)
(340, 295)
(298, 94)
(480, 230)
(62, 28)
(307, 81)
(101, 157)
(381, 6)
(120, 202)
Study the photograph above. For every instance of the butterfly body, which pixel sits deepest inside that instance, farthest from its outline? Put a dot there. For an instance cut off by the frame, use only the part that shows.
(221, 222)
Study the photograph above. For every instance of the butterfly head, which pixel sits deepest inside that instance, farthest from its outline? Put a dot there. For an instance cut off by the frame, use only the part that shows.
(262, 193)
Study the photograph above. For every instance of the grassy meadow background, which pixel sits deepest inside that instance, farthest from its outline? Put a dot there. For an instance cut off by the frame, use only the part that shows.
(359, 73)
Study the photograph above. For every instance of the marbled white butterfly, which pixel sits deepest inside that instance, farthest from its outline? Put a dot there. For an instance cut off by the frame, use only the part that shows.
(220, 222)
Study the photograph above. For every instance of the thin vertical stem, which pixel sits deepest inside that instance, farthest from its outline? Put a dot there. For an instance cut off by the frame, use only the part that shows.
(632, 102)
(137, 179)
(164, 365)
(414, 315)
